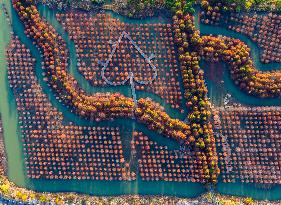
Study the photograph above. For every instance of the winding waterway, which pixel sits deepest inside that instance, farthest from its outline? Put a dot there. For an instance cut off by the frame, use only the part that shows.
(13, 142)
(127, 126)
(217, 90)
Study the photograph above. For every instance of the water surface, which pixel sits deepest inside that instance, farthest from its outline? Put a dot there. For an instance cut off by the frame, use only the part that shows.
(17, 172)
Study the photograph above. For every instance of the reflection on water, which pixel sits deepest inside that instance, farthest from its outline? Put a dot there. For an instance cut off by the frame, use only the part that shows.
(222, 84)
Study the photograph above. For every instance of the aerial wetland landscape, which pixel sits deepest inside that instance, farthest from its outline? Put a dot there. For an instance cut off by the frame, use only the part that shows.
(140, 102)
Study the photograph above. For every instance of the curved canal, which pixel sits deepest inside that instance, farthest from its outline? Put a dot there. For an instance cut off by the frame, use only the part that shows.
(127, 127)
(13, 142)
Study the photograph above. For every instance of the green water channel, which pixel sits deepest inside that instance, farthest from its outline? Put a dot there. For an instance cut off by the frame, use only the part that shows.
(13, 143)
(218, 90)
(12, 140)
